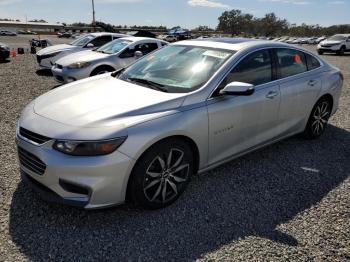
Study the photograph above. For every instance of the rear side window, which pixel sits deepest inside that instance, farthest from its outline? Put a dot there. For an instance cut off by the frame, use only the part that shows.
(255, 69)
(312, 62)
(291, 62)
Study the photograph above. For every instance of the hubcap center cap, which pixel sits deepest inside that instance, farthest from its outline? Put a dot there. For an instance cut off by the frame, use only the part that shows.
(166, 174)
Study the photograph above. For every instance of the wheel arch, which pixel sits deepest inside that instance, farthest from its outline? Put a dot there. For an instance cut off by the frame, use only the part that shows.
(329, 97)
(98, 67)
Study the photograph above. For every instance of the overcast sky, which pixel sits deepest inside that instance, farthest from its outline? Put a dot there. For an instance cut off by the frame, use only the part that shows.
(187, 13)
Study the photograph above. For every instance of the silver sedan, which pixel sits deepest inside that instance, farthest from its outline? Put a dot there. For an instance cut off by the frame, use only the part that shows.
(117, 54)
(139, 134)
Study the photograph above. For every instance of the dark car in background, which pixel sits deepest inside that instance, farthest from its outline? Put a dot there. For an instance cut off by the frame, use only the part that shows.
(4, 52)
(64, 35)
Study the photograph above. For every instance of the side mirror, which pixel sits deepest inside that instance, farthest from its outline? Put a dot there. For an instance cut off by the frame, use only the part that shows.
(90, 45)
(138, 54)
(238, 89)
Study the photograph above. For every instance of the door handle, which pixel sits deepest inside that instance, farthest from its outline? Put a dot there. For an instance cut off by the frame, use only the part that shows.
(312, 83)
(272, 94)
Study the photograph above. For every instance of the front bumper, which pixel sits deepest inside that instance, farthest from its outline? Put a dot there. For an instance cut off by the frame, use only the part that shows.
(331, 49)
(65, 75)
(46, 61)
(93, 182)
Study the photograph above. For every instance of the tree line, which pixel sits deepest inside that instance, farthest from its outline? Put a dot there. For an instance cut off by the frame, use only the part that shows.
(235, 22)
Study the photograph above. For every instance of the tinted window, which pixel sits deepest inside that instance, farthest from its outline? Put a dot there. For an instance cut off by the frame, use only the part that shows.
(255, 69)
(312, 62)
(291, 62)
(101, 40)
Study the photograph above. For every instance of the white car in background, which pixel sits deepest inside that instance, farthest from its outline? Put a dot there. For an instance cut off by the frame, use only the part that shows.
(48, 56)
(115, 55)
(338, 44)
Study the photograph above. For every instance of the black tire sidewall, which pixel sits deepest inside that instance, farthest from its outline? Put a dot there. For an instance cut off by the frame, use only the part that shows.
(98, 70)
(308, 130)
(135, 188)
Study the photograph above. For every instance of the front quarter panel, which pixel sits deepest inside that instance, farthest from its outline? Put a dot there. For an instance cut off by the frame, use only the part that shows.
(191, 123)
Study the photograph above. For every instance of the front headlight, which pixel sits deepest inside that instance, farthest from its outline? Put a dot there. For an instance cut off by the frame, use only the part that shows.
(88, 148)
(78, 65)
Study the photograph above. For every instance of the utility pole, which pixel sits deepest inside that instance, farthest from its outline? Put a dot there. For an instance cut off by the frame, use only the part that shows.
(93, 13)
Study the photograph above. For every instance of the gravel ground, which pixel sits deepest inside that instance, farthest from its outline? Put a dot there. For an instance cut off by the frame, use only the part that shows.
(289, 201)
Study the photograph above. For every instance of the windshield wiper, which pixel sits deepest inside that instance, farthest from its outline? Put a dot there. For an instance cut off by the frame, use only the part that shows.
(118, 72)
(150, 83)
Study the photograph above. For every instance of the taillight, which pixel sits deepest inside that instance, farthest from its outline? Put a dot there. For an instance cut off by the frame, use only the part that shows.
(341, 76)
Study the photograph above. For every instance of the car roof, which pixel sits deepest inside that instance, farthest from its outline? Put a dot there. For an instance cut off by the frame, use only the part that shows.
(106, 33)
(234, 44)
(136, 39)
(346, 35)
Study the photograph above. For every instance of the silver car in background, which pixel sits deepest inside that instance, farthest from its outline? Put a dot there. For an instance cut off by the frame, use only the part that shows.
(47, 57)
(114, 55)
(139, 134)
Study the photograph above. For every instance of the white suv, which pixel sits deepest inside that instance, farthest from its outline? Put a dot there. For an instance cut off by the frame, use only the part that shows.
(338, 44)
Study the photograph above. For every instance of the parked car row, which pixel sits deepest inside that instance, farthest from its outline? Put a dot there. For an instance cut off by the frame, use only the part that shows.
(141, 132)
(95, 54)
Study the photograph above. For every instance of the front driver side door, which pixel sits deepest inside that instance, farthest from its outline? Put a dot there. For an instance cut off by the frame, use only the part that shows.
(239, 123)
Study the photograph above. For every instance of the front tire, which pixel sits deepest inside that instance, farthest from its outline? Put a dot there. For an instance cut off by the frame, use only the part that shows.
(341, 51)
(320, 52)
(318, 119)
(101, 70)
(162, 174)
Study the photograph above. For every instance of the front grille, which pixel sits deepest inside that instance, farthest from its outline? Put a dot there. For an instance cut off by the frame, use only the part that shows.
(41, 57)
(39, 139)
(31, 162)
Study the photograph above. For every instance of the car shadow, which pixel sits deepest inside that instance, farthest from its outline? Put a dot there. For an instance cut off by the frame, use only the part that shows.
(333, 54)
(250, 196)
(44, 72)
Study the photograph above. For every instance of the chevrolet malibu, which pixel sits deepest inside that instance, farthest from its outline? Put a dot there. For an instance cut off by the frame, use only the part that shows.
(112, 56)
(139, 134)
(48, 56)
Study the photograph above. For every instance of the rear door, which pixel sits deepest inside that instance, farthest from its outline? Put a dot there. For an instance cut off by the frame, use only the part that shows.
(238, 123)
(299, 87)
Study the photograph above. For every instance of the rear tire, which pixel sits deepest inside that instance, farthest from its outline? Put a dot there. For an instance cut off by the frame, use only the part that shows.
(318, 119)
(161, 175)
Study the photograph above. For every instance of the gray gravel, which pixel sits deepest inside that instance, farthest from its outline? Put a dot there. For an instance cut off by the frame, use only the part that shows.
(290, 201)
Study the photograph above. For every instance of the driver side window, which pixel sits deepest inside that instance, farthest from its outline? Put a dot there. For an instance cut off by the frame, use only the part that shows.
(255, 69)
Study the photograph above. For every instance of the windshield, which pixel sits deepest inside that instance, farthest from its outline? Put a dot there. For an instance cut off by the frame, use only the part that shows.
(337, 38)
(114, 46)
(178, 69)
(81, 41)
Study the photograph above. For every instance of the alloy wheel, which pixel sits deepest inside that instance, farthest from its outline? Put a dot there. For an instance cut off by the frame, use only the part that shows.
(320, 118)
(165, 176)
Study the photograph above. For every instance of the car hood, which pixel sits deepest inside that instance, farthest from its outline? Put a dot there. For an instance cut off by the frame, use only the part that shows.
(82, 56)
(105, 101)
(56, 48)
